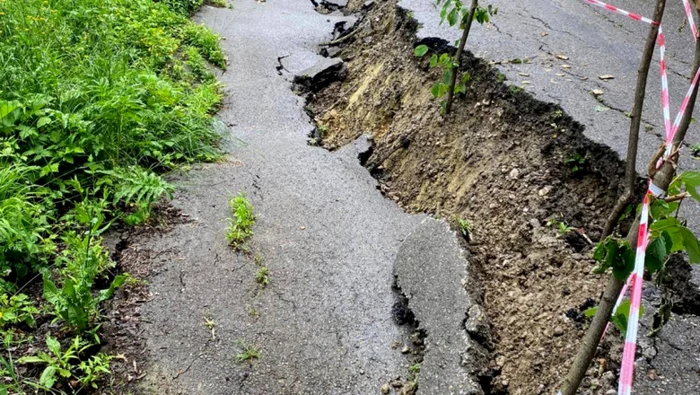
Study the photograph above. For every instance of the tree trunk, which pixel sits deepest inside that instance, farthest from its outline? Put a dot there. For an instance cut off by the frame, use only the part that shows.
(635, 122)
(458, 56)
(662, 179)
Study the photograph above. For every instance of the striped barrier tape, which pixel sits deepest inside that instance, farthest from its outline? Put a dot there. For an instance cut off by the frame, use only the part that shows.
(632, 15)
(636, 278)
(689, 14)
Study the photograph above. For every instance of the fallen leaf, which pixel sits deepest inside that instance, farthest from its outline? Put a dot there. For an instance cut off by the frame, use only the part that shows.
(600, 108)
(562, 57)
(606, 77)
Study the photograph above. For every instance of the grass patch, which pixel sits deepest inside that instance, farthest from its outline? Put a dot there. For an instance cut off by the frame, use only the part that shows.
(241, 225)
(97, 99)
(261, 276)
(248, 352)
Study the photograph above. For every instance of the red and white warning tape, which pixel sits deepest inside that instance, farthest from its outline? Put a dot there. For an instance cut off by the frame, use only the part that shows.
(636, 278)
(632, 15)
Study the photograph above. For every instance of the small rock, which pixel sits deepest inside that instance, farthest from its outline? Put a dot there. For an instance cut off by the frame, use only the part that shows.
(500, 360)
(385, 389)
(405, 350)
(515, 173)
(362, 372)
(558, 331)
(535, 223)
(396, 383)
(544, 191)
(610, 392)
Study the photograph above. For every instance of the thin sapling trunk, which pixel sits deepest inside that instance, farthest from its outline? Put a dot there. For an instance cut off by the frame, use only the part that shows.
(635, 123)
(458, 56)
(662, 178)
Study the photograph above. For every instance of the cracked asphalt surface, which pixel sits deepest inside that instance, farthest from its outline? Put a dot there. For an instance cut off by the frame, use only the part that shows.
(557, 50)
(328, 237)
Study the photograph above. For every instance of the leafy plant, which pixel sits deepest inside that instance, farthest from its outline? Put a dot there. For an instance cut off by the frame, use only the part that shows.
(576, 163)
(261, 276)
(413, 371)
(94, 369)
(23, 223)
(241, 225)
(465, 228)
(248, 352)
(454, 12)
(59, 363)
(82, 259)
(17, 309)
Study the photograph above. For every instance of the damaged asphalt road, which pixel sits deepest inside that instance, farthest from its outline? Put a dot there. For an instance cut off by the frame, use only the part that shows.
(557, 50)
(331, 241)
(323, 324)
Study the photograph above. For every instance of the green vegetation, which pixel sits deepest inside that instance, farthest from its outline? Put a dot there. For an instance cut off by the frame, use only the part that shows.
(248, 352)
(576, 163)
(456, 14)
(465, 228)
(97, 98)
(61, 364)
(261, 276)
(241, 227)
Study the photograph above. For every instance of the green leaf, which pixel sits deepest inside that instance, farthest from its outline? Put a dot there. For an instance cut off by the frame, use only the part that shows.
(433, 60)
(621, 316)
(7, 108)
(420, 50)
(452, 17)
(43, 121)
(51, 293)
(691, 179)
(31, 359)
(690, 242)
(660, 209)
(591, 312)
(624, 264)
(444, 59)
(48, 376)
(447, 77)
(53, 345)
(656, 254)
(466, 77)
(436, 89)
(116, 283)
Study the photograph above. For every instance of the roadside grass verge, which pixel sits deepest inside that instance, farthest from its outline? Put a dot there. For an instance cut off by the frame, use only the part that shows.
(97, 99)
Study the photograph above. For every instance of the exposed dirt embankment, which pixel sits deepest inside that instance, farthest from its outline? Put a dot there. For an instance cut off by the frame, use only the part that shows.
(503, 161)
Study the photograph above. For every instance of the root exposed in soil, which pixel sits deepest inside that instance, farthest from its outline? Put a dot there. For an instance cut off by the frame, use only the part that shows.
(502, 161)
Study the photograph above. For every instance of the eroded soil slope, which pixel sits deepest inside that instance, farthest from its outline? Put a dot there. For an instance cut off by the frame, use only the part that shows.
(503, 161)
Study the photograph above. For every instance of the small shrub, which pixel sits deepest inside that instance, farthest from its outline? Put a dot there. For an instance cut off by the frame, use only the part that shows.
(16, 309)
(61, 366)
(241, 227)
